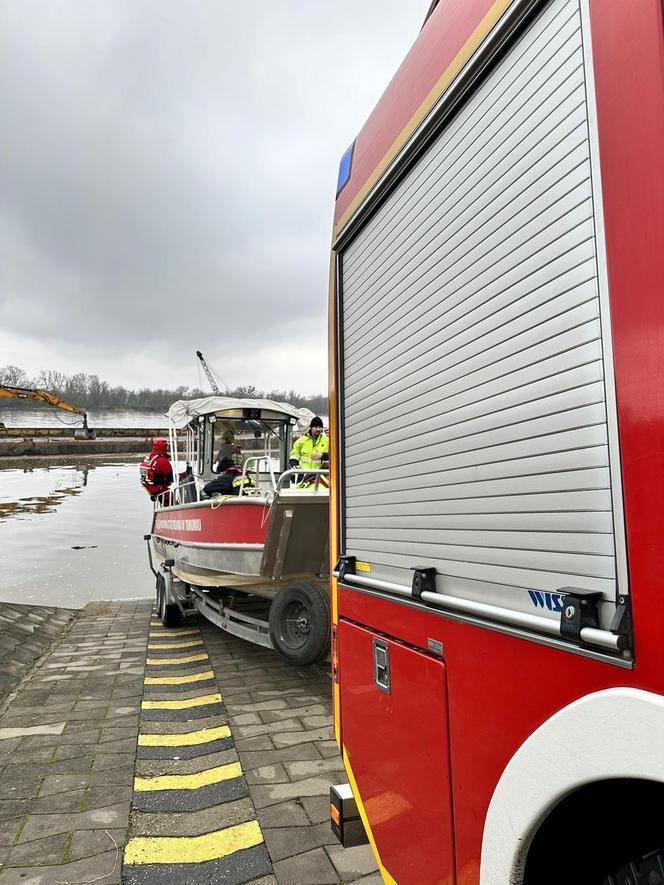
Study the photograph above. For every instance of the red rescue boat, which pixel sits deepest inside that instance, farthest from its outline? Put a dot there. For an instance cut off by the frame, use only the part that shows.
(253, 560)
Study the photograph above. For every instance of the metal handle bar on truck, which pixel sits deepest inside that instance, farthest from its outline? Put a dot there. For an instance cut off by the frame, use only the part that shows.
(589, 635)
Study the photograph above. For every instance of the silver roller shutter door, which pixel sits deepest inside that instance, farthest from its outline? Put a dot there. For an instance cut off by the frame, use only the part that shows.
(475, 416)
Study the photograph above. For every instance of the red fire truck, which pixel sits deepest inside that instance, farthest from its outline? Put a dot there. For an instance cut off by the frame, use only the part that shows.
(497, 408)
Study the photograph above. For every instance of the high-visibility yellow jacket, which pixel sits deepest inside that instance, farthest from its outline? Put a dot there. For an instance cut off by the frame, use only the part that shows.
(305, 446)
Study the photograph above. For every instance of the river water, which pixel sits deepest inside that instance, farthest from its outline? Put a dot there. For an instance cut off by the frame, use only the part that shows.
(72, 534)
(24, 415)
(27, 415)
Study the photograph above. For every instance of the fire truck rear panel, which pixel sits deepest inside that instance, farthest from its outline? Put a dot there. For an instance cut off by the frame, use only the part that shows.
(476, 252)
(479, 429)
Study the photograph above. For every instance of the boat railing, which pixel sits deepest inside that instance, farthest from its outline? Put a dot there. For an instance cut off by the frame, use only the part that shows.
(187, 492)
(257, 459)
(287, 476)
(163, 499)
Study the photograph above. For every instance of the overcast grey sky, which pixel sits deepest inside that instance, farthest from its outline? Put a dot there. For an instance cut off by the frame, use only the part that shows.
(167, 177)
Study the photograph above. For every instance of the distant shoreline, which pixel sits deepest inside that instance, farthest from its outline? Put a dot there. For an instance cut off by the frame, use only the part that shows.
(74, 460)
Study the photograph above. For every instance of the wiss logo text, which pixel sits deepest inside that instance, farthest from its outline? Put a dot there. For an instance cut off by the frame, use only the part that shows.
(543, 599)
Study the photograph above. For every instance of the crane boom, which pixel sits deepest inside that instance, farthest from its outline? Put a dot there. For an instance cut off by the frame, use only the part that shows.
(37, 395)
(210, 376)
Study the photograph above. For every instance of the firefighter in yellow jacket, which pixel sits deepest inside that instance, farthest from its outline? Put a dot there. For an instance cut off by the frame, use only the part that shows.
(311, 450)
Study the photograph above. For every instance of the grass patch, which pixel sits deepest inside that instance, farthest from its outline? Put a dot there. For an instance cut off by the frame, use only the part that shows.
(20, 830)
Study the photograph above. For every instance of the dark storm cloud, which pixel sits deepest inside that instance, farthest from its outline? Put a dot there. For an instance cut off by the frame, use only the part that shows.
(170, 167)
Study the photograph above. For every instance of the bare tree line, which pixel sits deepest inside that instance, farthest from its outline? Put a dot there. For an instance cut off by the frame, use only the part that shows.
(90, 392)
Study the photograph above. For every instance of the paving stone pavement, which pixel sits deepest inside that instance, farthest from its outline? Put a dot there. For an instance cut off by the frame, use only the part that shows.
(68, 755)
(280, 718)
(67, 751)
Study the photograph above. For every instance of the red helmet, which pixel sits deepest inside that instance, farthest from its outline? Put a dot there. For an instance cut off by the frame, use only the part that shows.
(160, 443)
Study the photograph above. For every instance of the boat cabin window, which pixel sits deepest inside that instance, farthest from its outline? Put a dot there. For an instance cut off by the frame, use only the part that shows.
(262, 443)
(228, 443)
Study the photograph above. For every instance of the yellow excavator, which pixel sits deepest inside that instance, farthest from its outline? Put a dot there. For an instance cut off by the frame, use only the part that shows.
(36, 395)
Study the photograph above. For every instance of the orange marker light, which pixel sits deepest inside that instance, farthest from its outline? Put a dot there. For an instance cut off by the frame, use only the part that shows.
(335, 815)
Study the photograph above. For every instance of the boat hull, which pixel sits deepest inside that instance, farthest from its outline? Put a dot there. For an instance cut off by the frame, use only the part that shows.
(211, 538)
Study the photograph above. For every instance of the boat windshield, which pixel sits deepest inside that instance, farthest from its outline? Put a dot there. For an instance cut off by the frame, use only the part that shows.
(236, 439)
(214, 434)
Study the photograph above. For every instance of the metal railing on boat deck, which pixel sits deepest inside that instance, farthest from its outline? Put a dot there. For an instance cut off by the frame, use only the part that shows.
(186, 491)
(257, 472)
(319, 475)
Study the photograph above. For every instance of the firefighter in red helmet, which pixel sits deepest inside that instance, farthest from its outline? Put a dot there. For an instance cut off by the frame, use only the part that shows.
(156, 471)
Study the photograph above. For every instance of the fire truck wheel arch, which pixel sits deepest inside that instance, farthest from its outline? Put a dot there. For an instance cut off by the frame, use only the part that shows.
(603, 736)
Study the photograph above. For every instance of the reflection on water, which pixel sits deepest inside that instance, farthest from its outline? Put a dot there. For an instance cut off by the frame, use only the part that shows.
(45, 503)
(70, 535)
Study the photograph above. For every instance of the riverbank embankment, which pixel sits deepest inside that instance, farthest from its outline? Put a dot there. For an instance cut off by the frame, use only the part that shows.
(39, 442)
(46, 442)
(27, 632)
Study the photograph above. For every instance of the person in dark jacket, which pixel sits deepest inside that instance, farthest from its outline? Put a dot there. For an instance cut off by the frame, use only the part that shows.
(228, 481)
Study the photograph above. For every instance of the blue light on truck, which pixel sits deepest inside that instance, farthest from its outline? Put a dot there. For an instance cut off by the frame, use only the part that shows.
(345, 168)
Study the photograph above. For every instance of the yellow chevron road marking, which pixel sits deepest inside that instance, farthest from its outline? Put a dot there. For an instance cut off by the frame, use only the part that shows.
(193, 849)
(188, 644)
(178, 680)
(187, 659)
(188, 781)
(170, 632)
(188, 739)
(184, 704)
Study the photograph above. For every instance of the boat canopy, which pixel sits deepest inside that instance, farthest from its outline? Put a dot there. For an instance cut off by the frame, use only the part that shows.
(183, 411)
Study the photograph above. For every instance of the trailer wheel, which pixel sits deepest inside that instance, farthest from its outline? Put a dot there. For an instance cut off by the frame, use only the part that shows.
(168, 614)
(300, 623)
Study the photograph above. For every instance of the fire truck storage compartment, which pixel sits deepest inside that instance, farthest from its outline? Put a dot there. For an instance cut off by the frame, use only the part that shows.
(479, 434)
(395, 695)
